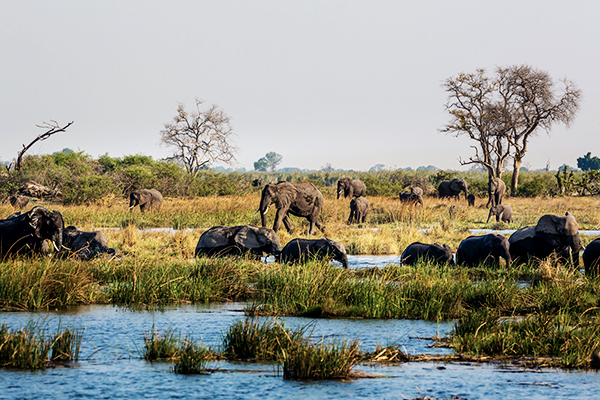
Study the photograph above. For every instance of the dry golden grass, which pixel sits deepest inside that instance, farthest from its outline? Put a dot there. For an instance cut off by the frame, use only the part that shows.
(390, 227)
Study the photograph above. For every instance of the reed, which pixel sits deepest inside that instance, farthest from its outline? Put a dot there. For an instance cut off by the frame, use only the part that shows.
(249, 339)
(28, 348)
(193, 358)
(161, 346)
(332, 361)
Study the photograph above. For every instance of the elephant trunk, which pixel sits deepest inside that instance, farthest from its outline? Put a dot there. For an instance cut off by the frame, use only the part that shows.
(489, 216)
(575, 244)
(466, 194)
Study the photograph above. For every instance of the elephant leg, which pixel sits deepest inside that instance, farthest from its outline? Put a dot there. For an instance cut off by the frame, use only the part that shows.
(279, 216)
(288, 224)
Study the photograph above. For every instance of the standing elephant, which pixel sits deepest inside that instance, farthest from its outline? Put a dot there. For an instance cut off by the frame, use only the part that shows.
(19, 201)
(476, 250)
(496, 190)
(591, 258)
(431, 253)
(27, 232)
(452, 188)
(552, 234)
(147, 199)
(301, 250)
(351, 188)
(471, 200)
(503, 212)
(301, 199)
(238, 240)
(417, 191)
(86, 245)
(409, 197)
(359, 207)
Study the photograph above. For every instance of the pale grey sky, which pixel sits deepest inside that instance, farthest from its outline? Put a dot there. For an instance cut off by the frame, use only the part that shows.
(350, 83)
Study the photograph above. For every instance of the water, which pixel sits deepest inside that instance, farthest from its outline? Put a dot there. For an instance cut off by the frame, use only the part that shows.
(110, 364)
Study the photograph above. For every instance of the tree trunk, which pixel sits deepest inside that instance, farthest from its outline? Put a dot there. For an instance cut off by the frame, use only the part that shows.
(515, 177)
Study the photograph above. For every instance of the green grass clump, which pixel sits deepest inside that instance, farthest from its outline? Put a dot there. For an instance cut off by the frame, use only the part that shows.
(251, 339)
(28, 348)
(66, 345)
(160, 346)
(569, 340)
(332, 361)
(193, 358)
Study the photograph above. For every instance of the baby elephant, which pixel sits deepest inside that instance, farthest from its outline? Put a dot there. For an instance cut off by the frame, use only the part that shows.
(410, 197)
(471, 200)
(502, 212)
(359, 207)
(591, 258)
(300, 250)
(430, 253)
(86, 245)
(476, 250)
(19, 201)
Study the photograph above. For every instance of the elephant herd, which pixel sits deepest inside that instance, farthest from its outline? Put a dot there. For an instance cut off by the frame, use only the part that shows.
(34, 230)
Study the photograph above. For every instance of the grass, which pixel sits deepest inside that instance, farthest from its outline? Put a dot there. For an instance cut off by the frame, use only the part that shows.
(28, 348)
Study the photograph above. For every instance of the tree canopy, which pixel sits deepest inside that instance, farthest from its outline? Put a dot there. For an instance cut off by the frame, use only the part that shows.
(502, 112)
(200, 137)
(588, 162)
(269, 162)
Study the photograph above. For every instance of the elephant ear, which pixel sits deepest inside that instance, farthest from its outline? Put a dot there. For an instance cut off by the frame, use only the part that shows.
(554, 229)
(36, 219)
(286, 193)
(248, 238)
(455, 185)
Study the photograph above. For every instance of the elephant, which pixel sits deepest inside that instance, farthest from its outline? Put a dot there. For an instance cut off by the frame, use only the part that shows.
(301, 199)
(19, 201)
(591, 258)
(257, 182)
(351, 188)
(503, 212)
(455, 210)
(299, 250)
(359, 207)
(452, 188)
(476, 250)
(496, 190)
(471, 200)
(416, 191)
(86, 245)
(27, 232)
(409, 197)
(552, 234)
(148, 199)
(238, 240)
(431, 253)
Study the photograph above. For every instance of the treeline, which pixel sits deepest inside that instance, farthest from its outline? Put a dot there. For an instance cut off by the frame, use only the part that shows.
(82, 179)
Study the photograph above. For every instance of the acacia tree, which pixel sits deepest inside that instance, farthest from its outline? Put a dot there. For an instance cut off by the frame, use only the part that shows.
(475, 113)
(532, 100)
(199, 137)
(269, 162)
(502, 113)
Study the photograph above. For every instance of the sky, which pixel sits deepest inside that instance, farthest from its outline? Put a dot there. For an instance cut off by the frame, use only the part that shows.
(347, 83)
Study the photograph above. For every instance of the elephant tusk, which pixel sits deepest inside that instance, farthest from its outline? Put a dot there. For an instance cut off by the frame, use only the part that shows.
(256, 211)
(55, 246)
(130, 207)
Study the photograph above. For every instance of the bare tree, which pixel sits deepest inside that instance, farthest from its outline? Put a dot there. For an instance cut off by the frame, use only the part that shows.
(532, 100)
(475, 113)
(52, 128)
(200, 137)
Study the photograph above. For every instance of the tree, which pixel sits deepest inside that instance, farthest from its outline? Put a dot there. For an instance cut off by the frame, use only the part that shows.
(199, 138)
(475, 113)
(532, 100)
(52, 128)
(502, 113)
(268, 162)
(588, 162)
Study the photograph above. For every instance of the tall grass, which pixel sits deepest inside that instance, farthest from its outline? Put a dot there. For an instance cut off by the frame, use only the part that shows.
(28, 347)
(331, 361)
